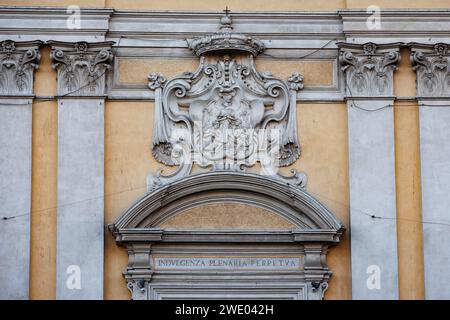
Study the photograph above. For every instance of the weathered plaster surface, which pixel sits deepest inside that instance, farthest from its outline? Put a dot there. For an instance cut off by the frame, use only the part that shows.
(80, 196)
(15, 197)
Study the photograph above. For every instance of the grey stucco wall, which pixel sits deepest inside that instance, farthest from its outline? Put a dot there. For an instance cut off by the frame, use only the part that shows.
(80, 197)
(15, 197)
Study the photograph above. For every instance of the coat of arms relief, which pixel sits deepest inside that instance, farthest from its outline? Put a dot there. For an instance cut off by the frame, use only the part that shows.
(226, 115)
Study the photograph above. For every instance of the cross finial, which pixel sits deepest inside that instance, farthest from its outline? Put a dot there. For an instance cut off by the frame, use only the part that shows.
(225, 21)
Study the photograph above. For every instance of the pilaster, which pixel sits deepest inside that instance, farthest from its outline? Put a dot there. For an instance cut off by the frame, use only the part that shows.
(81, 69)
(18, 61)
(368, 72)
(431, 63)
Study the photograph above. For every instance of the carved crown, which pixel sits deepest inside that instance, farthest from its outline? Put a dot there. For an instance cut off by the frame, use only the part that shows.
(225, 39)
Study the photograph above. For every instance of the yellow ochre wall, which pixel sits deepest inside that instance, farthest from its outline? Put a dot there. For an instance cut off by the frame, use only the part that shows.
(407, 171)
(43, 188)
(128, 160)
(128, 129)
(322, 130)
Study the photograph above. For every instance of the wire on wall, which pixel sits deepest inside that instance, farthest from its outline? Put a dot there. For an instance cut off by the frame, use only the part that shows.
(352, 104)
(318, 195)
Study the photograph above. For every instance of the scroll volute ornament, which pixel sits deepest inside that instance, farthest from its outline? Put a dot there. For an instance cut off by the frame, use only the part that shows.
(225, 115)
(431, 63)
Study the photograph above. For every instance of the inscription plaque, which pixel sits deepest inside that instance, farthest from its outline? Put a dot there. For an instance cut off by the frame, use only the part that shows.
(227, 263)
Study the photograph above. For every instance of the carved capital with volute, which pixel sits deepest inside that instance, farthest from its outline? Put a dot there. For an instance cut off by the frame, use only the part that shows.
(81, 67)
(431, 63)
(18, 60)
(369, 68)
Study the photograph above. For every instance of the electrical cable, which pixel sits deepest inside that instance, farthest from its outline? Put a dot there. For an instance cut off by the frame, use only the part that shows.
(352, 104)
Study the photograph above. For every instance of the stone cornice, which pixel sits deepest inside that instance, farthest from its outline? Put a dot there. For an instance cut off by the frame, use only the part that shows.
(81, 67)
(369, 68)
(396, 12)
(147, 212)
(431, 63)
(52, 9)
(278, 30)
(51, 23)
(397, 25)
(18, 60)
(151, 235)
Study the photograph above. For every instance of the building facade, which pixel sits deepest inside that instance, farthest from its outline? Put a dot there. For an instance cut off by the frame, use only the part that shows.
(187, 149)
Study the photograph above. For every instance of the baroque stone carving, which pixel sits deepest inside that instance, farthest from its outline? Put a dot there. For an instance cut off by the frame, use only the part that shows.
(138, 289)
(18, 60)
(139, 271)
(369, 68)
(81, 67)
(431, 63)
(225, 39)
(140, 229)
(225, 115)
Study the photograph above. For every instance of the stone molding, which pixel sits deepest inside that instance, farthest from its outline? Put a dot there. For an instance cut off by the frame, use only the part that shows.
(81, 67)
(266, 191)
(369, 68)
(284, 290)
(403, 25)
(284, 34)
(18, 60)
(431, 63)
(316, 228)
(149, 284)
(54, 23)
(411, 25)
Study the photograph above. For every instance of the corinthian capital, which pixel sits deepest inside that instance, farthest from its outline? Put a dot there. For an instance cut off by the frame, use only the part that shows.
(18, 60)
(369, 68)
(81, 67)
(431, 63)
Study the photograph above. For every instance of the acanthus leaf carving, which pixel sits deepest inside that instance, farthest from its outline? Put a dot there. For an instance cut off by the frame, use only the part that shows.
(81, 67)
(431, 63)
(226, 115)
(369, 68)
(18, 60)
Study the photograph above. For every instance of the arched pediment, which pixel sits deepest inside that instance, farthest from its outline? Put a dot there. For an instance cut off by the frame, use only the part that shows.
(145, 219)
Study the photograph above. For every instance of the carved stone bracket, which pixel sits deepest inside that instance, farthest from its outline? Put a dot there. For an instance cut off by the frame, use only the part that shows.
(431, 63)
(226, 115)
(139, 271)
(18, 60)
(81, 67)
(316, 270)
(369, 68)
